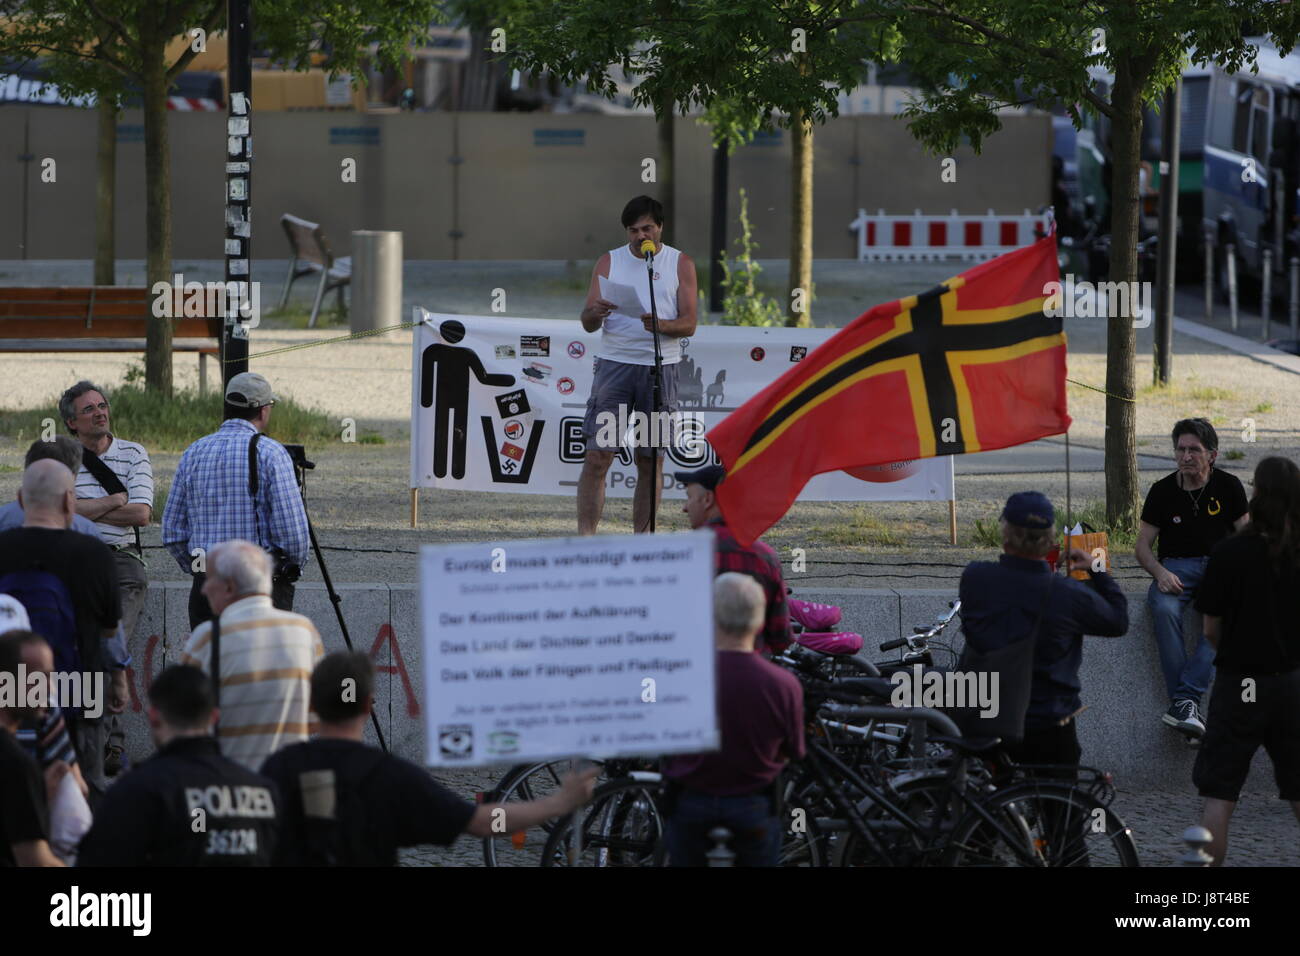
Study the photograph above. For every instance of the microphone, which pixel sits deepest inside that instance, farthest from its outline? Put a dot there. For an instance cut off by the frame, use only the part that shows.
(648, 249)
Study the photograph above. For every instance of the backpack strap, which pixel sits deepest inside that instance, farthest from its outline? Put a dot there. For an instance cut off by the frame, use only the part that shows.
(253, 483)
(109, 480)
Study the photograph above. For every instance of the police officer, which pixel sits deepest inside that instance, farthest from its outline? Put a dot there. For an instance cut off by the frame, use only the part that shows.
(187, 805)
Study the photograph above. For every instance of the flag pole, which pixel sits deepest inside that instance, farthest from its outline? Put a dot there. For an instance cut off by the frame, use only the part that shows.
(1069, 513)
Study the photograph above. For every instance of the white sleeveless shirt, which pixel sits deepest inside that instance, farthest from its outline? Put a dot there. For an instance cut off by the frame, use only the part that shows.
(624, 338)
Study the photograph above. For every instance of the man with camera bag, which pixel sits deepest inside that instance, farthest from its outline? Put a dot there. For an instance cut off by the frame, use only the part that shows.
(238, 483)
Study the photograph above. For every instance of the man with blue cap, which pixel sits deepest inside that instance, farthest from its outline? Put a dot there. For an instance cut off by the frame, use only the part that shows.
(1018, 597)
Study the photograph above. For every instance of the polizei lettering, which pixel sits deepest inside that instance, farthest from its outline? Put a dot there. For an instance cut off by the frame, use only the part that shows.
(231, 801)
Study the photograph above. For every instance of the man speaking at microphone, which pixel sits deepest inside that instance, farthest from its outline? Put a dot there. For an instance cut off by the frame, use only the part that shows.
(625, 362)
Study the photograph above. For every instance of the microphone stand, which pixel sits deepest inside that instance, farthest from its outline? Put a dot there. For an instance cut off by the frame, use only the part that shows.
(656, 386)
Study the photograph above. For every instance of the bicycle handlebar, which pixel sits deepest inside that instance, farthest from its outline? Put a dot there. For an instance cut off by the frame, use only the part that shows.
(938, 720)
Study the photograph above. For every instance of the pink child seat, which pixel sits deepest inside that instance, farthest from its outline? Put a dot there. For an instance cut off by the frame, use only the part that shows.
(837, 643)
(814, 617)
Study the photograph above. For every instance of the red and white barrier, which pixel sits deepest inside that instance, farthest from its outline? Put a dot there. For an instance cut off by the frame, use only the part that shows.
(199, 104)
(954, 236)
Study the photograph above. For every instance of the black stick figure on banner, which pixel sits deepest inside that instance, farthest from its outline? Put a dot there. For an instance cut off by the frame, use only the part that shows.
(453, 364)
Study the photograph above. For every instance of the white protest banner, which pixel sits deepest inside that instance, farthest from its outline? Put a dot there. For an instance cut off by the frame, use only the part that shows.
(564, 647)
(497, 404)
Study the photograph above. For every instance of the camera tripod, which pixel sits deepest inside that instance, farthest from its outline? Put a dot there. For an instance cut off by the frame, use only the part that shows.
(300, 468)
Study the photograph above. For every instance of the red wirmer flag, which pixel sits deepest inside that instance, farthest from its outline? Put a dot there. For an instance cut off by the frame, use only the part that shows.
(972, 365)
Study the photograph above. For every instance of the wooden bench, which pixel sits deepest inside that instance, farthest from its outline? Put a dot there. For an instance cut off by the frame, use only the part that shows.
(311, 254)
(96, 319)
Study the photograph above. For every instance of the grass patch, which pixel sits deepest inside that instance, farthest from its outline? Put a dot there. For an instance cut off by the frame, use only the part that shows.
(1093, 514)
(988, 533)
(373, 438)
(172, 424)
(1190, 391)
(297, 316)
(1262, 408)
(9, 469)
(1234, 454)
(860, 528)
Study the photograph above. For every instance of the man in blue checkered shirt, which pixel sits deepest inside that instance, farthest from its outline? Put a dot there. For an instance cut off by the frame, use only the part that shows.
(210, 500)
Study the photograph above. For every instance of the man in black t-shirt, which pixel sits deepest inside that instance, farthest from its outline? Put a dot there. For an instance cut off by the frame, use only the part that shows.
(24, 816)
(348, 804)
(88, 571)
(1186, 514)
(1246, 594)
(187, 805)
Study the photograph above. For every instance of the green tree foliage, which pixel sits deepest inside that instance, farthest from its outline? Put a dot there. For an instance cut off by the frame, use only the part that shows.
(744, 303)
(107, 47)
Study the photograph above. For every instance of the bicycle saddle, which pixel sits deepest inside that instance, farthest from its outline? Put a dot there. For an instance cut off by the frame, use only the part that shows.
(835, 643)
(814, 617)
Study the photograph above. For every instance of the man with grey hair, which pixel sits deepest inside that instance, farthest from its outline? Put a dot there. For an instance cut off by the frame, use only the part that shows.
(1185, 515)
(115, 490)
(760, 718)
(260, 658)
(67, 582)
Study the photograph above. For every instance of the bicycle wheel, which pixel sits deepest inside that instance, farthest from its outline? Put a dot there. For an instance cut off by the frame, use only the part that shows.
(1038, 823)
(802, 842)
(622, 826)
(924, 801)
(522, 782)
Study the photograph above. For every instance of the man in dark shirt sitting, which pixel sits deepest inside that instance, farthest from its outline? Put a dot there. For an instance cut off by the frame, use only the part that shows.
(758, 560)
(349, 804)
(1003, 602)
(760, 717)
(1246, 594)
(1185, 515)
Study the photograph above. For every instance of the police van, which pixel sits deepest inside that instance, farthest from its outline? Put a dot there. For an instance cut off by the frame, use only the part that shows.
(1249, 161)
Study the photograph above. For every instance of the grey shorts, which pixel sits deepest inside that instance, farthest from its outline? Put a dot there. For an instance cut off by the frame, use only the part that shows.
(617, 391)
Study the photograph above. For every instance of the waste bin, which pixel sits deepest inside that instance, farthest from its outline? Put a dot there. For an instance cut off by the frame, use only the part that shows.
(376, 280)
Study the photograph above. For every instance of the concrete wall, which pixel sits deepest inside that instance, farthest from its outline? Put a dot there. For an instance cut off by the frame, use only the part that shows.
(486, 185)
(1120, 732)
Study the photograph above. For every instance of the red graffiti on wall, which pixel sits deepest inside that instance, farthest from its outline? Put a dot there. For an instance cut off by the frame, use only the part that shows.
(149, 647)
(397, 667)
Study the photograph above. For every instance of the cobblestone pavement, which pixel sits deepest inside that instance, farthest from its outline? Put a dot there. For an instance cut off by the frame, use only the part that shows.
(1264, 831)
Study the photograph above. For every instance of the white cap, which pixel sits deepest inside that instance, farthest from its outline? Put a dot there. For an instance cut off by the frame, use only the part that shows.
(13, 616)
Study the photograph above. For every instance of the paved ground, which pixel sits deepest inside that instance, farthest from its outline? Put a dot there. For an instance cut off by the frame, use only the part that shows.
(1264, 831)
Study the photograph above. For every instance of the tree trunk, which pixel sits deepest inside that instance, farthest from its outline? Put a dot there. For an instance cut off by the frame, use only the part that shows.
(105, 183)
(664, 168)
(157, 215)
(799, 302)
(1121, 339)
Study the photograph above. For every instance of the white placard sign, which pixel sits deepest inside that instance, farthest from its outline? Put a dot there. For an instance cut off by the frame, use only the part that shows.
(497, 404)
(596, 646)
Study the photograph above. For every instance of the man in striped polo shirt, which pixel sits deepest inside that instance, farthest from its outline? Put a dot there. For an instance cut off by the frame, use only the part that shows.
(114, 490)
(266, 656)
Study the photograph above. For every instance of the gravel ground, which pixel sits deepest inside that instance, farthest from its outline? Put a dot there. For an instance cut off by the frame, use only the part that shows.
(358, 494)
